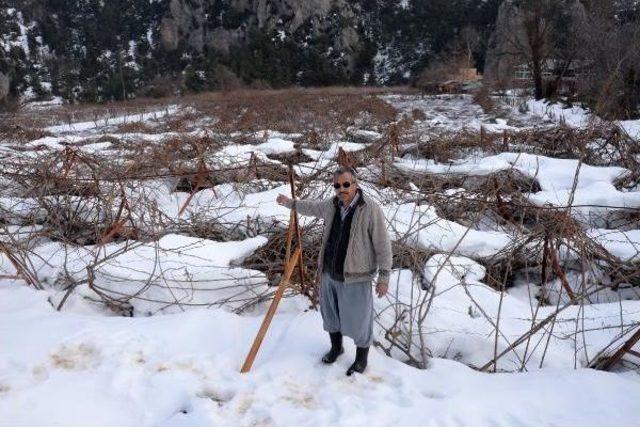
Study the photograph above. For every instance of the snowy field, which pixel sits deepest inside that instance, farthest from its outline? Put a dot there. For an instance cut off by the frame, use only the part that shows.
(138, 254)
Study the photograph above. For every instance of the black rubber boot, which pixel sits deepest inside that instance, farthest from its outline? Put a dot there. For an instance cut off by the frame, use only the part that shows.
(336, 348)
(361, 361)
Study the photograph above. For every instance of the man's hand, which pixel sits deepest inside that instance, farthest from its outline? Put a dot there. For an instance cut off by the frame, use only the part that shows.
(282, 199)
(382, 288)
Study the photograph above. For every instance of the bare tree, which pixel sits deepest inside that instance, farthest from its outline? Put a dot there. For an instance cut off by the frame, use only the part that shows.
(611, 82)
(536, 33)
(470, 41)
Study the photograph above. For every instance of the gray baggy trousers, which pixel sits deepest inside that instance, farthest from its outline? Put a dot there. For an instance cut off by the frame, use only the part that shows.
(347, 308)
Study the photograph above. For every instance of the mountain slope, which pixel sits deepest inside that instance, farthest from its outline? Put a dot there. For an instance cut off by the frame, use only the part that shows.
(96, 50)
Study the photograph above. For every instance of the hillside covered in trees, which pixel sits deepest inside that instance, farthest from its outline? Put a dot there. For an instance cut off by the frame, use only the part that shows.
(92, 50)
(96, 50)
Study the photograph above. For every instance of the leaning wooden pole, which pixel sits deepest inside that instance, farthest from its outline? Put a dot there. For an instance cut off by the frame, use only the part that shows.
(296, 226)
(287, 255)
(282, 286)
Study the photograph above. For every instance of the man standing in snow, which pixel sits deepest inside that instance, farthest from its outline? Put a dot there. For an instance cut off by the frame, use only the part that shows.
(355, 244)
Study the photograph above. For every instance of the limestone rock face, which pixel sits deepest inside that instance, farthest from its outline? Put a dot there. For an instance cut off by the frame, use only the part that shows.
(501, 54)
(183, 22)
(221, 25)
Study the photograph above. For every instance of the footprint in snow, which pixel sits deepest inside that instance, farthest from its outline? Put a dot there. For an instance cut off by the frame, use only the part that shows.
(75, 357)
(221, 397)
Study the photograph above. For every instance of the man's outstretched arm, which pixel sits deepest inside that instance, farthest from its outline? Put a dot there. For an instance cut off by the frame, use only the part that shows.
(303, 207)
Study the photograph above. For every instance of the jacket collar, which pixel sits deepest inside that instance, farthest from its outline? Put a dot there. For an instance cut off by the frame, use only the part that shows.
(361, 200)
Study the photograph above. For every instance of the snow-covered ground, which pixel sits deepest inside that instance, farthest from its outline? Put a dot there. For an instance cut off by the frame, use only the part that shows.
(67, 369)
(195, 308)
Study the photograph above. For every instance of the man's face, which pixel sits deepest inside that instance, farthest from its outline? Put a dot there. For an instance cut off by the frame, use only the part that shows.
(346, 194)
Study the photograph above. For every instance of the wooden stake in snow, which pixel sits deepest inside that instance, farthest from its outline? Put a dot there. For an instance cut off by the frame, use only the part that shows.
(296, 226)
(290, 264)
(282, 286)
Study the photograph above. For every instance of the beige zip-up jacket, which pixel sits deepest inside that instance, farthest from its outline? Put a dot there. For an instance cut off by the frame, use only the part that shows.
(369, 248)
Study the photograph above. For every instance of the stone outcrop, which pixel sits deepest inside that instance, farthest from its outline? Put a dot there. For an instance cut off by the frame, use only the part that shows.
(206, 23)
(502, 56)
(183, 22)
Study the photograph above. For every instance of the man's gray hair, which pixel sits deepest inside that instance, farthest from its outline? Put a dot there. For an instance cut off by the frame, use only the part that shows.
(345, 169)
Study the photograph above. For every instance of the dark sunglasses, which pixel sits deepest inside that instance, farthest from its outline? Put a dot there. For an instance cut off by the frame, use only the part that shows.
(344, 185)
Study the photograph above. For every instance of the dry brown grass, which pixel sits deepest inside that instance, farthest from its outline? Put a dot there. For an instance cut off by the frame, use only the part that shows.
(135, 127)
(19, 132)
(287, 110)
(482, 97)
(69, 113)
(293, 110)
(450, 145)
